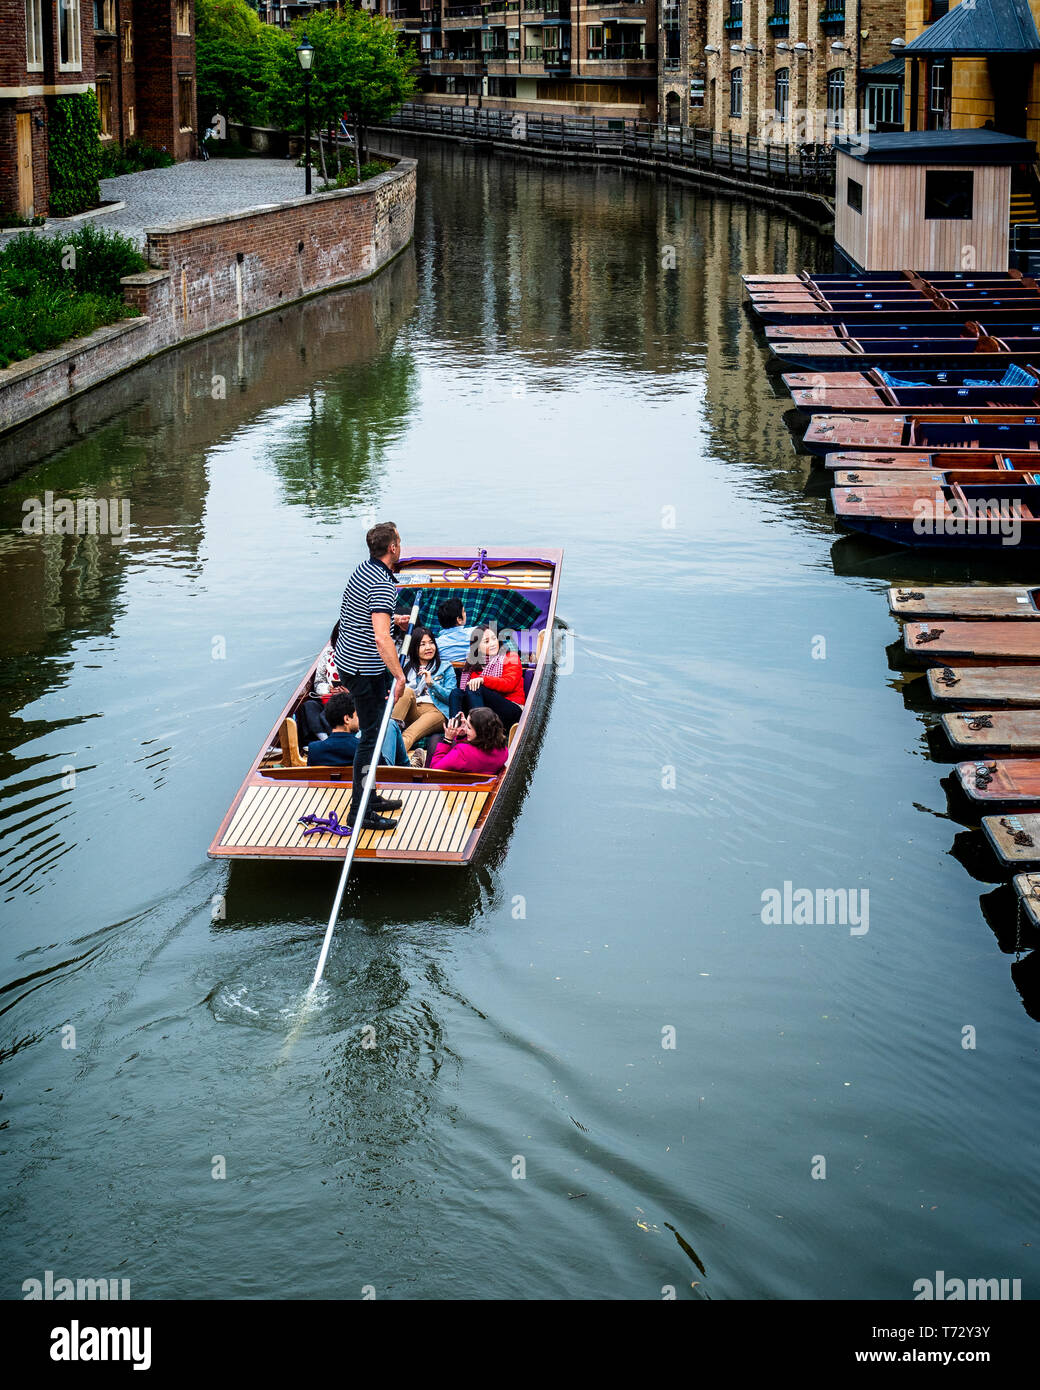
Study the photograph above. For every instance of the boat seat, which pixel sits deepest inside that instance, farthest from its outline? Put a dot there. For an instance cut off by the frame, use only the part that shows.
(288, 737)
(512, 734)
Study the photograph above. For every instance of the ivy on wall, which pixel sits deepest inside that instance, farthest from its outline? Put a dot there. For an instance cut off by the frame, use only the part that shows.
(74, 154)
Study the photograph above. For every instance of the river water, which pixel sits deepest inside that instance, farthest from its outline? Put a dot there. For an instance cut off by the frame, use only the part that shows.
(592, 1044)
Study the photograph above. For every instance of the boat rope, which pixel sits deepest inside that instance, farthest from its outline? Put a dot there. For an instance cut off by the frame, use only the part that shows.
(978, 721)
(1018, 835)
(949, 677)
(929, 635)
(905, 595)
(984, 774)
(328, 825)
(480, 570)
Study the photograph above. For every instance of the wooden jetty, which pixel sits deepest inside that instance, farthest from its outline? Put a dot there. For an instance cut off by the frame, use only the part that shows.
(964, 602)
(446, 814)
(962, 687)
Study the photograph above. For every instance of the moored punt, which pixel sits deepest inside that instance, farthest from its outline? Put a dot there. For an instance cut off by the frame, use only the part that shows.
(907, 294)
(987, 516)
(938, 461)
(902, 354)
(964, 602)
(1027, 889)
(920, 482)
(975, 733)
(981, 391)
(913, 433)
(965, 686)
(446, 814)
(852, 328)
(971, 644)
(1000, 781)
(1014, 839)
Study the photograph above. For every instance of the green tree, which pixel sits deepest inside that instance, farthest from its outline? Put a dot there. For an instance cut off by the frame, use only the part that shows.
(360, 69)
(237, 59)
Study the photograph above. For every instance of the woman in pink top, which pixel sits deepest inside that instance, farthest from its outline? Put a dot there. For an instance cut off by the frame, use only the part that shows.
(472, 743)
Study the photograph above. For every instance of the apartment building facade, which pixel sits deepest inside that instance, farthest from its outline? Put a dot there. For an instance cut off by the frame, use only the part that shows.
(137, 55)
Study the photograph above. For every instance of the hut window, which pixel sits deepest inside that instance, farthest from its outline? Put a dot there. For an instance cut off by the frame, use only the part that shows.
(736, 92)
(854, 195)
(948, 194)
(783, 92)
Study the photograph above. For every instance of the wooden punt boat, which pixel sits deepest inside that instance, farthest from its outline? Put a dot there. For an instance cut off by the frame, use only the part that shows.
(980, 392)
(1027, 890)
(984, 733)
(987, 516)
(1000, 781)
(1015, 840)
(970, 644)
(959, 687)
(893, 434)
(922, 483)
(856, 329)
(1005, 308)
(909, 293)
(866, 279)
(965, 603)
(937, 461)
(903, 354)
(446, 815)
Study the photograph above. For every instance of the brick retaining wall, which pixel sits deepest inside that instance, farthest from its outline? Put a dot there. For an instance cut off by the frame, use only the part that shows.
(214, 271)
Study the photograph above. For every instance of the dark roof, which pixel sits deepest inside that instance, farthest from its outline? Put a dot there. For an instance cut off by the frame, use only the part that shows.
(979, 29)
(895, 67)
(940, 147)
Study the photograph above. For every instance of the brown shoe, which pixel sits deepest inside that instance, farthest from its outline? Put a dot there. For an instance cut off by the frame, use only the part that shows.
(417, 757)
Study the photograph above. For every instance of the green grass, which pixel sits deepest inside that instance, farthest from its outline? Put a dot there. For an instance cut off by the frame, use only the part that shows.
(131, 158)
(56, 288)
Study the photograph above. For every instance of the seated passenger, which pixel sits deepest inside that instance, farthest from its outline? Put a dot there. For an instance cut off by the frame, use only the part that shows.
(493, 677)
(339, 747)
(472, 743)
(325, 673)
(453, 640)
(423, 708)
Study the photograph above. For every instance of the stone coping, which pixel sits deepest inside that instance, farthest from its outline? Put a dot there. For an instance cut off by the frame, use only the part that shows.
(403, 167)
(53, 357)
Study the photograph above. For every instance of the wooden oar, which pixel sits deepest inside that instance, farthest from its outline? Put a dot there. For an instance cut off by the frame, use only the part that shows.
(366, 792)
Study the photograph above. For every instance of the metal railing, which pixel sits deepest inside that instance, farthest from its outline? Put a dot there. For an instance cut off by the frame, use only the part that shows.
(806, 169)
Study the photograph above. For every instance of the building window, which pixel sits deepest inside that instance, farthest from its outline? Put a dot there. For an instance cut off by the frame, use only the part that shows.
(948, 195)
(938, 9)
(34, 35)
(736, 92)
(105, 16)
(183, 16)
(128, 41)
(697, 91)
(427, 42)
(69, 55)
(595, 40)
(131, 121)
(885, 108)
(836, 98)
(854, 195)
(186, 92)
(938, 95)
(783, 93)
(104, 101)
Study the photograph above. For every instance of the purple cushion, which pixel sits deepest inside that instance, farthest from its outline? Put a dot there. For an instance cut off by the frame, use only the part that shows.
(528, 678)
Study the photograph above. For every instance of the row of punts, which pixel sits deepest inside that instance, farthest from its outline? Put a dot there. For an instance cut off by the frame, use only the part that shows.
(922, 448)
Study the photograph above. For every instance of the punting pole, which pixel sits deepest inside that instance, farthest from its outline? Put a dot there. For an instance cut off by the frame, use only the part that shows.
(366, 792)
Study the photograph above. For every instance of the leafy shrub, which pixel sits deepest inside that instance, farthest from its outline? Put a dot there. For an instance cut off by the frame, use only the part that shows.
(132, 157)
(75, 154)
(53, 289)
(347, 178)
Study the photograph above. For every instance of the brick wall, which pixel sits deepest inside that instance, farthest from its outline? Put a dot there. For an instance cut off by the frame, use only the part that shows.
(164, 57)
(216, 271)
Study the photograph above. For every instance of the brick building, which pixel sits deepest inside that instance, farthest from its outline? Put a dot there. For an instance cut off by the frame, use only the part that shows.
(139, 57)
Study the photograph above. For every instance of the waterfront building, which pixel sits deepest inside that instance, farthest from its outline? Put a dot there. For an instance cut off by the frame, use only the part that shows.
(137, 55)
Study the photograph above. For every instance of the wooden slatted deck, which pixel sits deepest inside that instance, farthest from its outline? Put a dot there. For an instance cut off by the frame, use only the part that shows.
(435, 820)
(519, 576)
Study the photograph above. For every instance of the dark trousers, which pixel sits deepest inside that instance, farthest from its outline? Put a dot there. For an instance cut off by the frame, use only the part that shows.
(369, 694)
(507, 710)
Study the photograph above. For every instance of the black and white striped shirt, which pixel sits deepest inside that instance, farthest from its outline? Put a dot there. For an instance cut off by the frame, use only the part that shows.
(370, 589)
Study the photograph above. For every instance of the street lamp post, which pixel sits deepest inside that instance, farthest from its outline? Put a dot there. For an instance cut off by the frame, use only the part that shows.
(305, 53)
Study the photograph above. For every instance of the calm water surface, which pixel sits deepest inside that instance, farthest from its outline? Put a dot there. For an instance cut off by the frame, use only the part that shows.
(535, 372)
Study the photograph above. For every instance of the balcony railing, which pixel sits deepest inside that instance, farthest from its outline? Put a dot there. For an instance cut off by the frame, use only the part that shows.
(493, 55)
(532, 55)
(835, 14)
(733, 24)
(462, 12)
(628, 52)
(670, 64)
(557, 61)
